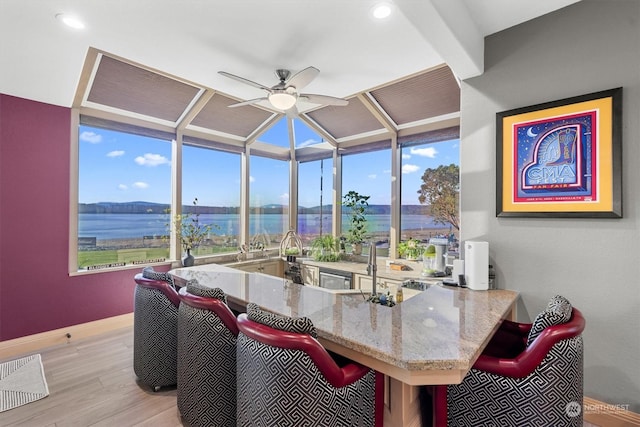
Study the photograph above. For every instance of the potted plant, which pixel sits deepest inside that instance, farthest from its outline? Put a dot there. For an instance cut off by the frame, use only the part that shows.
(357, 231)
(325, 248)
(191, 233)
(410, 249)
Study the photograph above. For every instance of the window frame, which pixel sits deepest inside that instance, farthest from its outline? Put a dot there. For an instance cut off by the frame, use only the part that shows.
(117, 122)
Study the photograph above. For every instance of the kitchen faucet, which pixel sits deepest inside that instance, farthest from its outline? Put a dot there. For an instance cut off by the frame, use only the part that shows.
(372, 267)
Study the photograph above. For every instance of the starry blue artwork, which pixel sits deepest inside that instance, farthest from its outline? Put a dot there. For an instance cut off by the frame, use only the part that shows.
(561, 158)
(555, 159)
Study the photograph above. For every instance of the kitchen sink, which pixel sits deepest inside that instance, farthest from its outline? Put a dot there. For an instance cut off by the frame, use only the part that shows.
(419, 285)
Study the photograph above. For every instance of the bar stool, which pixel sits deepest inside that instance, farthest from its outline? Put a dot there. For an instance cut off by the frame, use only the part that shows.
(530, 374)
(286, 378)
(155, 322)
(207, 334)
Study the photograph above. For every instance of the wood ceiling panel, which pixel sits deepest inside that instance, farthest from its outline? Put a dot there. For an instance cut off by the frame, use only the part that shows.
(240, 121)
(352, 119)
(130, 88)
(424, 96)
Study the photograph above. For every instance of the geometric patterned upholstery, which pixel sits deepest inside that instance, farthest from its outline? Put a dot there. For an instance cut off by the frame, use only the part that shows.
(195, 288)
(558, 312)
(300, 325)
(155, 322)
(207, 334)
(150, 273)
(288, 379)
(542, 386)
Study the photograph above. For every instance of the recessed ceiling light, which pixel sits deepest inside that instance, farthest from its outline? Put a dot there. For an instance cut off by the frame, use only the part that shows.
(70, 21)
(381, 10)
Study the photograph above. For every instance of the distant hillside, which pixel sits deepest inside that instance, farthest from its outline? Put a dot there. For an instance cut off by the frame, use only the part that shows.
(160, 208)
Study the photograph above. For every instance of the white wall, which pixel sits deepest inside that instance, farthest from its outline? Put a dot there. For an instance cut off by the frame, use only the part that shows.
(587, 47)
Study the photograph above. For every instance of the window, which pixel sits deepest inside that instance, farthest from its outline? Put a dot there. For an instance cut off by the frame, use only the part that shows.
(268, 202)
(124, 190)
(415, 217)
(315, 205)
(211, 190)
(369, 174)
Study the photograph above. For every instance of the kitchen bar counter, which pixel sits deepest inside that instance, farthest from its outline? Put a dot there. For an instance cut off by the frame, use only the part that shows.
(431, 338)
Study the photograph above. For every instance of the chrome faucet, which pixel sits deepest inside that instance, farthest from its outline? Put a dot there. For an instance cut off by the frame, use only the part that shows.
(372, 267)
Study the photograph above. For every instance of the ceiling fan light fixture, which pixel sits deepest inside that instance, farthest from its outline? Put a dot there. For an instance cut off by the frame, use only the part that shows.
(282, 100)
(382, 10)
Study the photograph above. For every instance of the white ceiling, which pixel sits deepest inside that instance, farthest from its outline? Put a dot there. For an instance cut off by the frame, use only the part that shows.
(41, 59)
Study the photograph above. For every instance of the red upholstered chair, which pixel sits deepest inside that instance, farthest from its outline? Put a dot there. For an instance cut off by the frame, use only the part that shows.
(155, 323)
(286, 378)
(529, 374)
(207, 334)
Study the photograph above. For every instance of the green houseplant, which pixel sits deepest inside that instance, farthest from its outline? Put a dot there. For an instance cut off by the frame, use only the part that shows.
(410, 249)
(356, 233)
(325, 248)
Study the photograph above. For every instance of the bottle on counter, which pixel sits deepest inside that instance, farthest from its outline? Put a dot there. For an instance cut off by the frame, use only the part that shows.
(399, 295)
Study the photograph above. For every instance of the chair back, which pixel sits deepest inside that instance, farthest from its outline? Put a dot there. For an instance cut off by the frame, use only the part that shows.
(543, 385)
(207, 334)
(155, 323)
(285, 377)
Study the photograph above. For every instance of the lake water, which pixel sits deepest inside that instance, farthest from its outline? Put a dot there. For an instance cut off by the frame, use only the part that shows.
(120, 226)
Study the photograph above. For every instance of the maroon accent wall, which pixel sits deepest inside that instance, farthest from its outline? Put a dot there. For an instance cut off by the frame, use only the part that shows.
(36, 292)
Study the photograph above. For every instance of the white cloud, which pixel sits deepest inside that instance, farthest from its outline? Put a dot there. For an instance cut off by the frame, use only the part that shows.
(425, 152)
(252, 179)
(406, 156)
(410, 168)
(386, 171)
(141, 185)
(151, 159)
(91, 137)
(122, 187)
(372, 176)
(116, 153)
(284, 197)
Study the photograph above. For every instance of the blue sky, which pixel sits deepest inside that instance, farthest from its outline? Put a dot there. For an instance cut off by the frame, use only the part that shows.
(119, 167)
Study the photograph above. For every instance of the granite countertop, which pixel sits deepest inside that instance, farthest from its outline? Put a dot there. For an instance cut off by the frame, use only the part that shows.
(439, 330)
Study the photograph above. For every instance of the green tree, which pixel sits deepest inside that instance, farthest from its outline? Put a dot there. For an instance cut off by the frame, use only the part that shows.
(441, 191)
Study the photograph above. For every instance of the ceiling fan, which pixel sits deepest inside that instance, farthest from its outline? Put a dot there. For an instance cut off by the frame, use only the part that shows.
(284, 95)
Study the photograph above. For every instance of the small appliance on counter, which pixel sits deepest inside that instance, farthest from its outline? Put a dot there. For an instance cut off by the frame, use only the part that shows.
(292, 270)
(435, 263)
(290, 247)
(441, 245)
(476, 265)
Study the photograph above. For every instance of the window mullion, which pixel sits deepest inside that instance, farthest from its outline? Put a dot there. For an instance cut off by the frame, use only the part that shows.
(176, 193)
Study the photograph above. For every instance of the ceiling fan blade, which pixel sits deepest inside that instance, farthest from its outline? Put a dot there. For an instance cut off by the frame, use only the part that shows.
(303, 77)
(243, 80)
(248, 102)
(322, 99)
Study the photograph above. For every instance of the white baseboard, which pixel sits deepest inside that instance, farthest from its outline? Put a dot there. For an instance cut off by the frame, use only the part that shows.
(36, 342)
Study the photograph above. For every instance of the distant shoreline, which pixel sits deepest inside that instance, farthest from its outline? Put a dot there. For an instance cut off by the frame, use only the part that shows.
(423, 234)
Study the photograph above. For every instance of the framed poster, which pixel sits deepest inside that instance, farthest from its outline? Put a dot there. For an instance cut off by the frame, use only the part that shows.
(561, 158)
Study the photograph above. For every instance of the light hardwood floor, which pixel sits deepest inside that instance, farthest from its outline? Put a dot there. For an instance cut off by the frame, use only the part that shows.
(91, 383)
